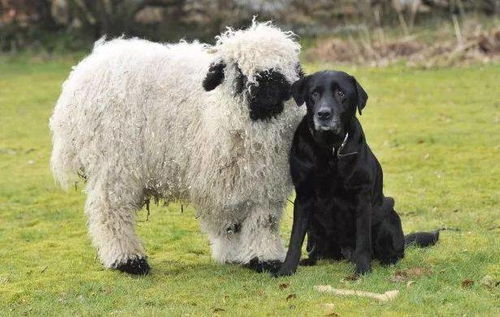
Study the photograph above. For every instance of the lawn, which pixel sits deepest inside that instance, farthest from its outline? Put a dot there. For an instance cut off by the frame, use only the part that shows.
(436, 133)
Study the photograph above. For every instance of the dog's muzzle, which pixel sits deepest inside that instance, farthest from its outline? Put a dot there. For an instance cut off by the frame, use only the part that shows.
(329, 124)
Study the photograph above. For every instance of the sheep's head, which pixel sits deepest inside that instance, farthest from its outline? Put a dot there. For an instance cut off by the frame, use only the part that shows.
(259, 65)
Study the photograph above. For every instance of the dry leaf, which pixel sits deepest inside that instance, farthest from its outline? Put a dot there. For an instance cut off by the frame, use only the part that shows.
(467, 283)
(291, 296)
(408, 274)
(399, 276)
(282, 286)
(352, 277)
(329, 307)
(418, 271)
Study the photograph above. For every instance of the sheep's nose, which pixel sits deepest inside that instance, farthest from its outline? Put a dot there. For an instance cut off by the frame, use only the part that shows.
(324, 114)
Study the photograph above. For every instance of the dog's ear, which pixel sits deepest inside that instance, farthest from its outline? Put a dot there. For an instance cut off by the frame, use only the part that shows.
(361, 96)
(215, 75)
(298, 90)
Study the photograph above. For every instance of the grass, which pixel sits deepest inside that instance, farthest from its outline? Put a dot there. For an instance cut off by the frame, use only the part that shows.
(436, 133)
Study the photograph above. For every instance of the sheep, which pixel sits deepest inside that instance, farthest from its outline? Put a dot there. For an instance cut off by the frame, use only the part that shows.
(210, 125)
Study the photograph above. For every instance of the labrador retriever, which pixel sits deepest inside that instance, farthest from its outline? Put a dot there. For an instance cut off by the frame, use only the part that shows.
(338, 181)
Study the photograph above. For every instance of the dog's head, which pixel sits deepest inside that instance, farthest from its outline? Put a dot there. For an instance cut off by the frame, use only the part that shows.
(331, 98)
(259, 64)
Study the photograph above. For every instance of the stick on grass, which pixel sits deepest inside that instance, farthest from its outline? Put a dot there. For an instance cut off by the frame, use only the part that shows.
(387, 296)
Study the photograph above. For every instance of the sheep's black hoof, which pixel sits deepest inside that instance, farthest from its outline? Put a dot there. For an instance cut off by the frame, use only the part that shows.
(137, 266)
(263, 266)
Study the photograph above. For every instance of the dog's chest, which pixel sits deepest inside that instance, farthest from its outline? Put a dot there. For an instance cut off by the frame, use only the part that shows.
(333, 199)
(330, 177)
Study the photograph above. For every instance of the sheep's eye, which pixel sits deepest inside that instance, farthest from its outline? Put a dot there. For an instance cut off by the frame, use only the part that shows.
(315, 95)
(340, 93)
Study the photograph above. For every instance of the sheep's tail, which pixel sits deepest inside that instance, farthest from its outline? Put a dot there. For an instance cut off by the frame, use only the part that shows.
(61, 165)
(63, 158)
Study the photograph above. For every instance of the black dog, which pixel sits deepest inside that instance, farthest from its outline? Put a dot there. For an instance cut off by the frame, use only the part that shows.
(338, 182)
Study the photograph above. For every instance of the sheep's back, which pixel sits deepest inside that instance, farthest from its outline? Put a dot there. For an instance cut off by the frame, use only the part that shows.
(124, 108)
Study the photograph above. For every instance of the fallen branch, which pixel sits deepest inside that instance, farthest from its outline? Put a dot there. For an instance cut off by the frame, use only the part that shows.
(387, 296)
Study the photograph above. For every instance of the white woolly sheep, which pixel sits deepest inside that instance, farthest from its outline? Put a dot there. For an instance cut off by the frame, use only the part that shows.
(184, 122)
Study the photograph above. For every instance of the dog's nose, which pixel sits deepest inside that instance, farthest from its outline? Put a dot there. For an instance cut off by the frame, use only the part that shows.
(324, 114)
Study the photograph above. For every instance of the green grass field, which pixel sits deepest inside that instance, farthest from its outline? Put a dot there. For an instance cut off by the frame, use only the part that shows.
(436, 133)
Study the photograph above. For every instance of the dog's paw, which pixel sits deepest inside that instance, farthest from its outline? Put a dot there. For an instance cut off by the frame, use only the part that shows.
(390, 260)
(263, 266)
(282, 272)
(136, 266)
(363, 267)
(307, 262)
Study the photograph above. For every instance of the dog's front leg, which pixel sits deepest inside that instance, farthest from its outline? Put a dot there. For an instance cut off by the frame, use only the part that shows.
(363, 252)
(301, 214)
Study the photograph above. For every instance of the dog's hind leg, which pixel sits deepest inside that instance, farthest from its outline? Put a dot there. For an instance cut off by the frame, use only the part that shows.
(387, 235)
(110, 207)
(387, 246)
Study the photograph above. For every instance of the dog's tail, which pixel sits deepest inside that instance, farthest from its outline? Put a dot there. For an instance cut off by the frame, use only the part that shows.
(425, 239)
(422, 239)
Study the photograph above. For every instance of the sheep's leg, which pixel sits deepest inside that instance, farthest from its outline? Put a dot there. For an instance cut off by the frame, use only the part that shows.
(111, 208)
(224, 239)
(261, 247)
(254, 242)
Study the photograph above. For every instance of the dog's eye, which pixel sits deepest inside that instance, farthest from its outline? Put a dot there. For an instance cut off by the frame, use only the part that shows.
(340, 93)
(315, 95)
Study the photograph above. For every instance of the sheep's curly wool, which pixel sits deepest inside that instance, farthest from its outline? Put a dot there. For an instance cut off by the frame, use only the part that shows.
(134, 119)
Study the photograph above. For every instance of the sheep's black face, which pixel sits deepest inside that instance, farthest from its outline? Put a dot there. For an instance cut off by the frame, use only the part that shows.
(266, 98)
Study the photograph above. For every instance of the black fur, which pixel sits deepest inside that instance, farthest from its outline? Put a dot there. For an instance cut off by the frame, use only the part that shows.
(137, 266)
(299, 70)
(235, 228)
(422, 239)
(338, 182)
(215, 76)
(241, 82)
(263, 266)
(267, 97)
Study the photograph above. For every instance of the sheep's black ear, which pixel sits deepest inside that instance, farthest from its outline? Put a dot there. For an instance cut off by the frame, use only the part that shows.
(215, 76)
(362, 96)
(298, 90)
